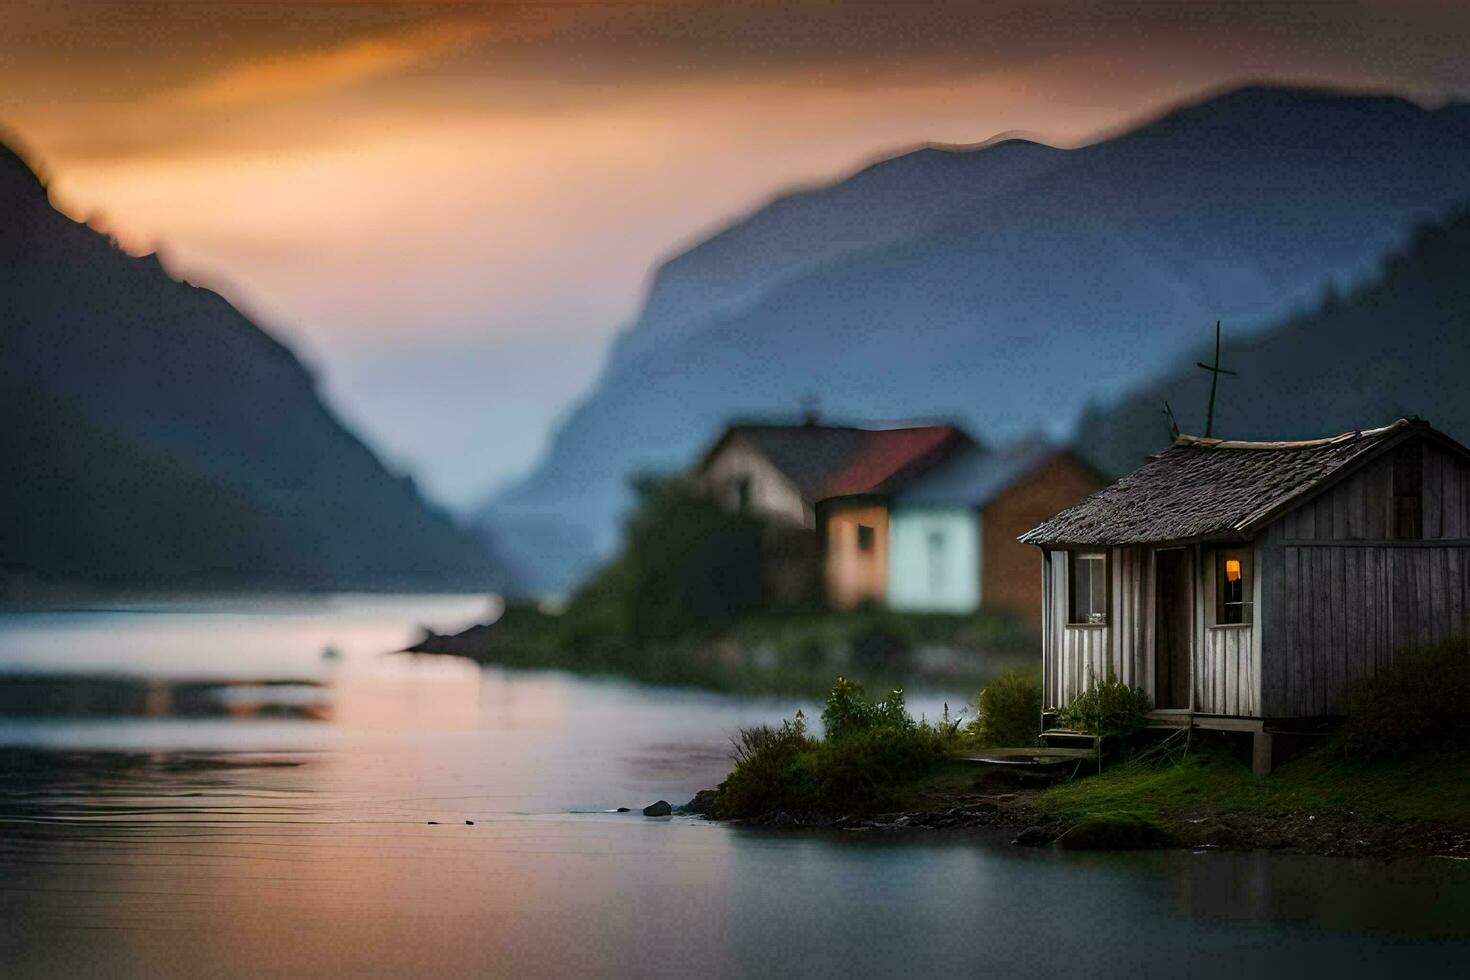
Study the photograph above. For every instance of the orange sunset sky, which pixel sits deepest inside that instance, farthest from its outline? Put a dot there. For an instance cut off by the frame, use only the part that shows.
(450, 208)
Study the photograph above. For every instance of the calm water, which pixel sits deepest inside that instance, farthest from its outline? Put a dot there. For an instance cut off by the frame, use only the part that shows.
(201, 792)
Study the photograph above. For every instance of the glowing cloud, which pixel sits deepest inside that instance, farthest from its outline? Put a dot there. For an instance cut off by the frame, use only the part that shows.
(293, 76)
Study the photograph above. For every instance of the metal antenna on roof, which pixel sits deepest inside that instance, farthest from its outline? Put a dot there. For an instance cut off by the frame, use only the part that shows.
(1215, 371)
(1173, 422)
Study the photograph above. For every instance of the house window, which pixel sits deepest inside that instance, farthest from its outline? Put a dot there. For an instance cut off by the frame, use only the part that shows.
(1232, 587)
(1089, 575)
(742, 494)
(864, 537)
(936, 561)
(1408, 493)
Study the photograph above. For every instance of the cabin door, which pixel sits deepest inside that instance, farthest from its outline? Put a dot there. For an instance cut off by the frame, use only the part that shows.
(1173, 619)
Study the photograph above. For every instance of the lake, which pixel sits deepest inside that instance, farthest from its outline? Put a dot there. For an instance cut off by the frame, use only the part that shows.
(251, 788)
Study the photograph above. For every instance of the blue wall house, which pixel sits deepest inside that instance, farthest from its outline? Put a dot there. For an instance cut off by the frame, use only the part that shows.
(952, 532)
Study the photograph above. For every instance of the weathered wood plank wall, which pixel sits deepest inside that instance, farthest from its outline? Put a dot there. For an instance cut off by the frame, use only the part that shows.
(1359, 508)
(1224, 672)
(1131, 617)
(1048, 632)
(1223, 666)
(1349, 609)
(1339, 598)
(1446, 495)
(1084, 656)
(1124, 646)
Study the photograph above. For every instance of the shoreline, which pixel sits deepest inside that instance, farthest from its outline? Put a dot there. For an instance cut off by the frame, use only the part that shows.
(743, 660)
(1323, 832)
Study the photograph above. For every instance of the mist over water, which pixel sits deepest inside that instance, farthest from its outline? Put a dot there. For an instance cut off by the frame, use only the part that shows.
(199, 790)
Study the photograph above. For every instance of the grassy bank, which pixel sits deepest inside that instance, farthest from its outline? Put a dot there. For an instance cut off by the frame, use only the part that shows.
(1390, 781)
(1432, 786)
(1319, 804)
(794, 652)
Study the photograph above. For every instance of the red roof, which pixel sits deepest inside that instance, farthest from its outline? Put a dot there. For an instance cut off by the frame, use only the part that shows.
(888, 457)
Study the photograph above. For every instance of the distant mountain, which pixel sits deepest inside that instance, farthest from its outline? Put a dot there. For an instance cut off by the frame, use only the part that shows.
(1008, 286)
(1398, 346)
(152, 437)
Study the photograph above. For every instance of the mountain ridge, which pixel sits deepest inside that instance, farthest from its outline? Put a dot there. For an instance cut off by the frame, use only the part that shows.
(1324, 370)
(160, 439)
(1012, 305)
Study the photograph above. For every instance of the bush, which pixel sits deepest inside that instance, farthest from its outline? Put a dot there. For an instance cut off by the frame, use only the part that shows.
(867, 772)
(772, 770)
(1009, 710)
(1107, 707)
(1421, 700)
(871, 752)
(848, 712)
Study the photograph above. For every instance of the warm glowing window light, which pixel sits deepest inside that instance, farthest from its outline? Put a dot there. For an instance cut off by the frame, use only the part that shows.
(1232, 569)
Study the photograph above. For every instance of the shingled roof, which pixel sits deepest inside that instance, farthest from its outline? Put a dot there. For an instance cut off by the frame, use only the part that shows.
(973, 477)
(825, 461)
(890, 457)
(1210, 488)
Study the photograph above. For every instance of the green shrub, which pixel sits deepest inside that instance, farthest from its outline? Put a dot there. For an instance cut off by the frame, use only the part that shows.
(871, 752)
(848, 711)
(1009, 710)
(867, 772)
(773, 770)
(1107, 707)
(1422, 700)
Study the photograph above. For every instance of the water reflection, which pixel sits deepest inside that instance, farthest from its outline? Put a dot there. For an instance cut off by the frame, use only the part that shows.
(173, 677)
(433, 818)
(87, 696)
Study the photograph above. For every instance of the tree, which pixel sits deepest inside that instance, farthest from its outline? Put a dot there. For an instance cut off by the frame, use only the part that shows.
(687, 566)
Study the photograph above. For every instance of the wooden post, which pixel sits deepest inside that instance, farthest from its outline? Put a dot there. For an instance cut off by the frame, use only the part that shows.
(1261, 753)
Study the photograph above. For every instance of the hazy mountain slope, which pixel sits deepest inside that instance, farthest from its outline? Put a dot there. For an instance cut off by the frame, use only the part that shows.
(1008, 310)
(155, 437)
(797, 232)
(1399, 346)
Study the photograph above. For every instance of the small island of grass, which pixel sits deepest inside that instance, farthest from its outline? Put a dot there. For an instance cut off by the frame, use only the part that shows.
(1389, 782)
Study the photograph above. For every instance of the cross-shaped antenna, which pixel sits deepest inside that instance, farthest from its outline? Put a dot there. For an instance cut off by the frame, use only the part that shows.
(1215, 371)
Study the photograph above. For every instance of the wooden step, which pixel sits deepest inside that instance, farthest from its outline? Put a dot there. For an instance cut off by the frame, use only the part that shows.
(1062, 737)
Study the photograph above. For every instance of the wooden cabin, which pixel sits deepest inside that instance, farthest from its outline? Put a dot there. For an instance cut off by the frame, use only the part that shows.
(952, 532)
(1246, 585)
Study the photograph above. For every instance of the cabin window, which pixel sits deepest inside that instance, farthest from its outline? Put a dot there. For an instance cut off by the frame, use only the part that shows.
(865, 537)
(1232, 587)
(1089, 575)
(1408, 493)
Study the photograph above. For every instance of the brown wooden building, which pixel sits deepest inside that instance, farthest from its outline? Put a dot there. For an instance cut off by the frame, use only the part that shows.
(1246, 585)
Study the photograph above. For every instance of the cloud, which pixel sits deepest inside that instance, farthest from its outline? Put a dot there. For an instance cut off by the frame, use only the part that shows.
(297, 75)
